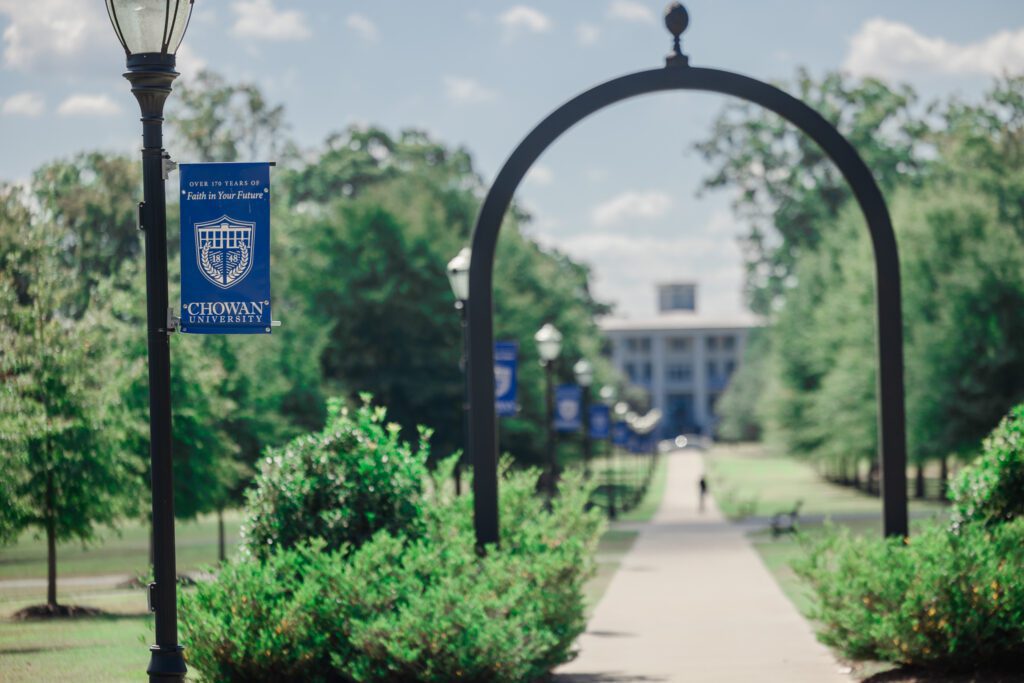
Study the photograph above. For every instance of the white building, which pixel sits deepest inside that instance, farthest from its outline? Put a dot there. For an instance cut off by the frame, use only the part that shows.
(682, 357)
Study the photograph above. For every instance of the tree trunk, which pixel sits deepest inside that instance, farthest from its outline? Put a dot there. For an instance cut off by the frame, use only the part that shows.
(856, 474)
(51, 543)
(221, 550)
(943, 477)
(919, 481)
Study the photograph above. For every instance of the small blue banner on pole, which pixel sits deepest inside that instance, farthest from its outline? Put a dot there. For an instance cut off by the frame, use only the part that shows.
(567, 408)
(506, 378)
(600, 421)
(225, 248)
(620, 434)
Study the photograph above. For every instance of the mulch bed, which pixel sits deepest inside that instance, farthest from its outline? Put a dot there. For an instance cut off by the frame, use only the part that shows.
(56, 612)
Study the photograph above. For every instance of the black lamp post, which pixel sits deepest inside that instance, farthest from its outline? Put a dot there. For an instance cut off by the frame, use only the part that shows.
(458, 278)
(549, 345)
(150, 32)
(584, 372)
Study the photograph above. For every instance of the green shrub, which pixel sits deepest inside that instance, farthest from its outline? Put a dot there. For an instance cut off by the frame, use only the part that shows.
(255, 623)
(341, 485)
(940, 600)
(423, 607)
(991, 490)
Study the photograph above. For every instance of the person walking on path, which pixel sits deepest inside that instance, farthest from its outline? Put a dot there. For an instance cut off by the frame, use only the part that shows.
(703, 492)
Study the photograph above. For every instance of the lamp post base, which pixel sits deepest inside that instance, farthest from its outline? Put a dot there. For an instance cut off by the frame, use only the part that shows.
(166, 664)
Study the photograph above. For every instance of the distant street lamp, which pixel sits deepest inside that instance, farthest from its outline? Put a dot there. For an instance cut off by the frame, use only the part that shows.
(621, 411)
(584, 372)
(549, 345)
(458, 278)
(150, 32)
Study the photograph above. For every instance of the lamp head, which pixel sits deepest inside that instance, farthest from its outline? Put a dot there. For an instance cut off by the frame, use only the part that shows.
(458, 274)
(150, 27)
(549, 342)
(584, 372)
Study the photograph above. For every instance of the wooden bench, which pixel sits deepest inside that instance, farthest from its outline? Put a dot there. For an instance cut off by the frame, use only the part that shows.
(785, 522)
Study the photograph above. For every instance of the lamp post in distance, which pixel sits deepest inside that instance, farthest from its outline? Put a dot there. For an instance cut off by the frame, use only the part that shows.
(549, 345)
(150, 32)
(458, 278)
(584, 373)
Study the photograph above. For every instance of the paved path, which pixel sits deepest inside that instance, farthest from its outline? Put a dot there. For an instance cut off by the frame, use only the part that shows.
(693, 602)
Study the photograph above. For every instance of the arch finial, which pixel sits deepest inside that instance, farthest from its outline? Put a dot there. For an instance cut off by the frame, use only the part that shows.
(676, 21)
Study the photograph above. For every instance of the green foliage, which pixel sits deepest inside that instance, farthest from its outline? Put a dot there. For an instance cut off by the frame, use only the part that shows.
(371, 223)
(435, 610)
(991, 489)
(962, 270)
(738, 406)
(214, 120)
(949, 597)
(65, 470)
(341, 485)
(788, 190)
(942, 600)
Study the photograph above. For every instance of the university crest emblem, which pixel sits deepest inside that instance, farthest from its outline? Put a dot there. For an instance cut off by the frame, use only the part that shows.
(502, 380)
(224, 249)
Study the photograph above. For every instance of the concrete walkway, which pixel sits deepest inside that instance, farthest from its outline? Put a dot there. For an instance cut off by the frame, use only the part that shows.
(693, 602)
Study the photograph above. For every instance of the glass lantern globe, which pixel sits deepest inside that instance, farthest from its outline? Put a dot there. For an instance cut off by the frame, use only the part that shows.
(149, 26)
(549, 342)
(584, 372)
(458, 274)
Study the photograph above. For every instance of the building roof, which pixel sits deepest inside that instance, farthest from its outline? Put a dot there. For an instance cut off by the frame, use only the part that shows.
(682, 320)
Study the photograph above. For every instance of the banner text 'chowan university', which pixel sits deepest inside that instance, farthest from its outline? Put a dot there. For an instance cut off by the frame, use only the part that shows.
(225, 248)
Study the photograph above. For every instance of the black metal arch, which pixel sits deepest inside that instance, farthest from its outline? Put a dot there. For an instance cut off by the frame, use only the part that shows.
(483, 445)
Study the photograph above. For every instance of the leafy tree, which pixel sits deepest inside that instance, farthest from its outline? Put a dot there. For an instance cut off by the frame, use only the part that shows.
(90, 198)
(213, 120)
(67, 473)
(375, 219)
(739, 405)
(788, 190)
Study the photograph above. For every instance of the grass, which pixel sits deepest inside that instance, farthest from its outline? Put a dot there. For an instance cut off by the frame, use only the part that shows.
(750, 480)
(112, 648)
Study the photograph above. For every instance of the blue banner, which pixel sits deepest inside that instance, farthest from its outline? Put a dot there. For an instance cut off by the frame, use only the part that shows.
(620, 434)
(567, 408)
(225, 248)
(600, 421)
(506, 383)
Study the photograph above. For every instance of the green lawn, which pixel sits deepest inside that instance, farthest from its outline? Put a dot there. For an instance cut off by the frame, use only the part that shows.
(749, 480)
(111, 648)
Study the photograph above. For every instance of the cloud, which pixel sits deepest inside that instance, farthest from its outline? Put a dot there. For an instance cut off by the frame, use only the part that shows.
(44, 34)
(890, 49)
(540, 175)
(524, 19)
(260, 19)
(362, 25)
(188, 63)
(631, 205)
(627, 265)
(627, 10)
(463, 90)
(23, 104)
(587, 34)
(88, 105)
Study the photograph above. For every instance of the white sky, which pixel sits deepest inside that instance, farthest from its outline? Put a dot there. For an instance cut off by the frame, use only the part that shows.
(619, 191)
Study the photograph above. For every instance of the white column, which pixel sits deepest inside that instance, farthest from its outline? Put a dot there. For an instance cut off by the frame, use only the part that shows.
(658, 370)
(700, 379)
